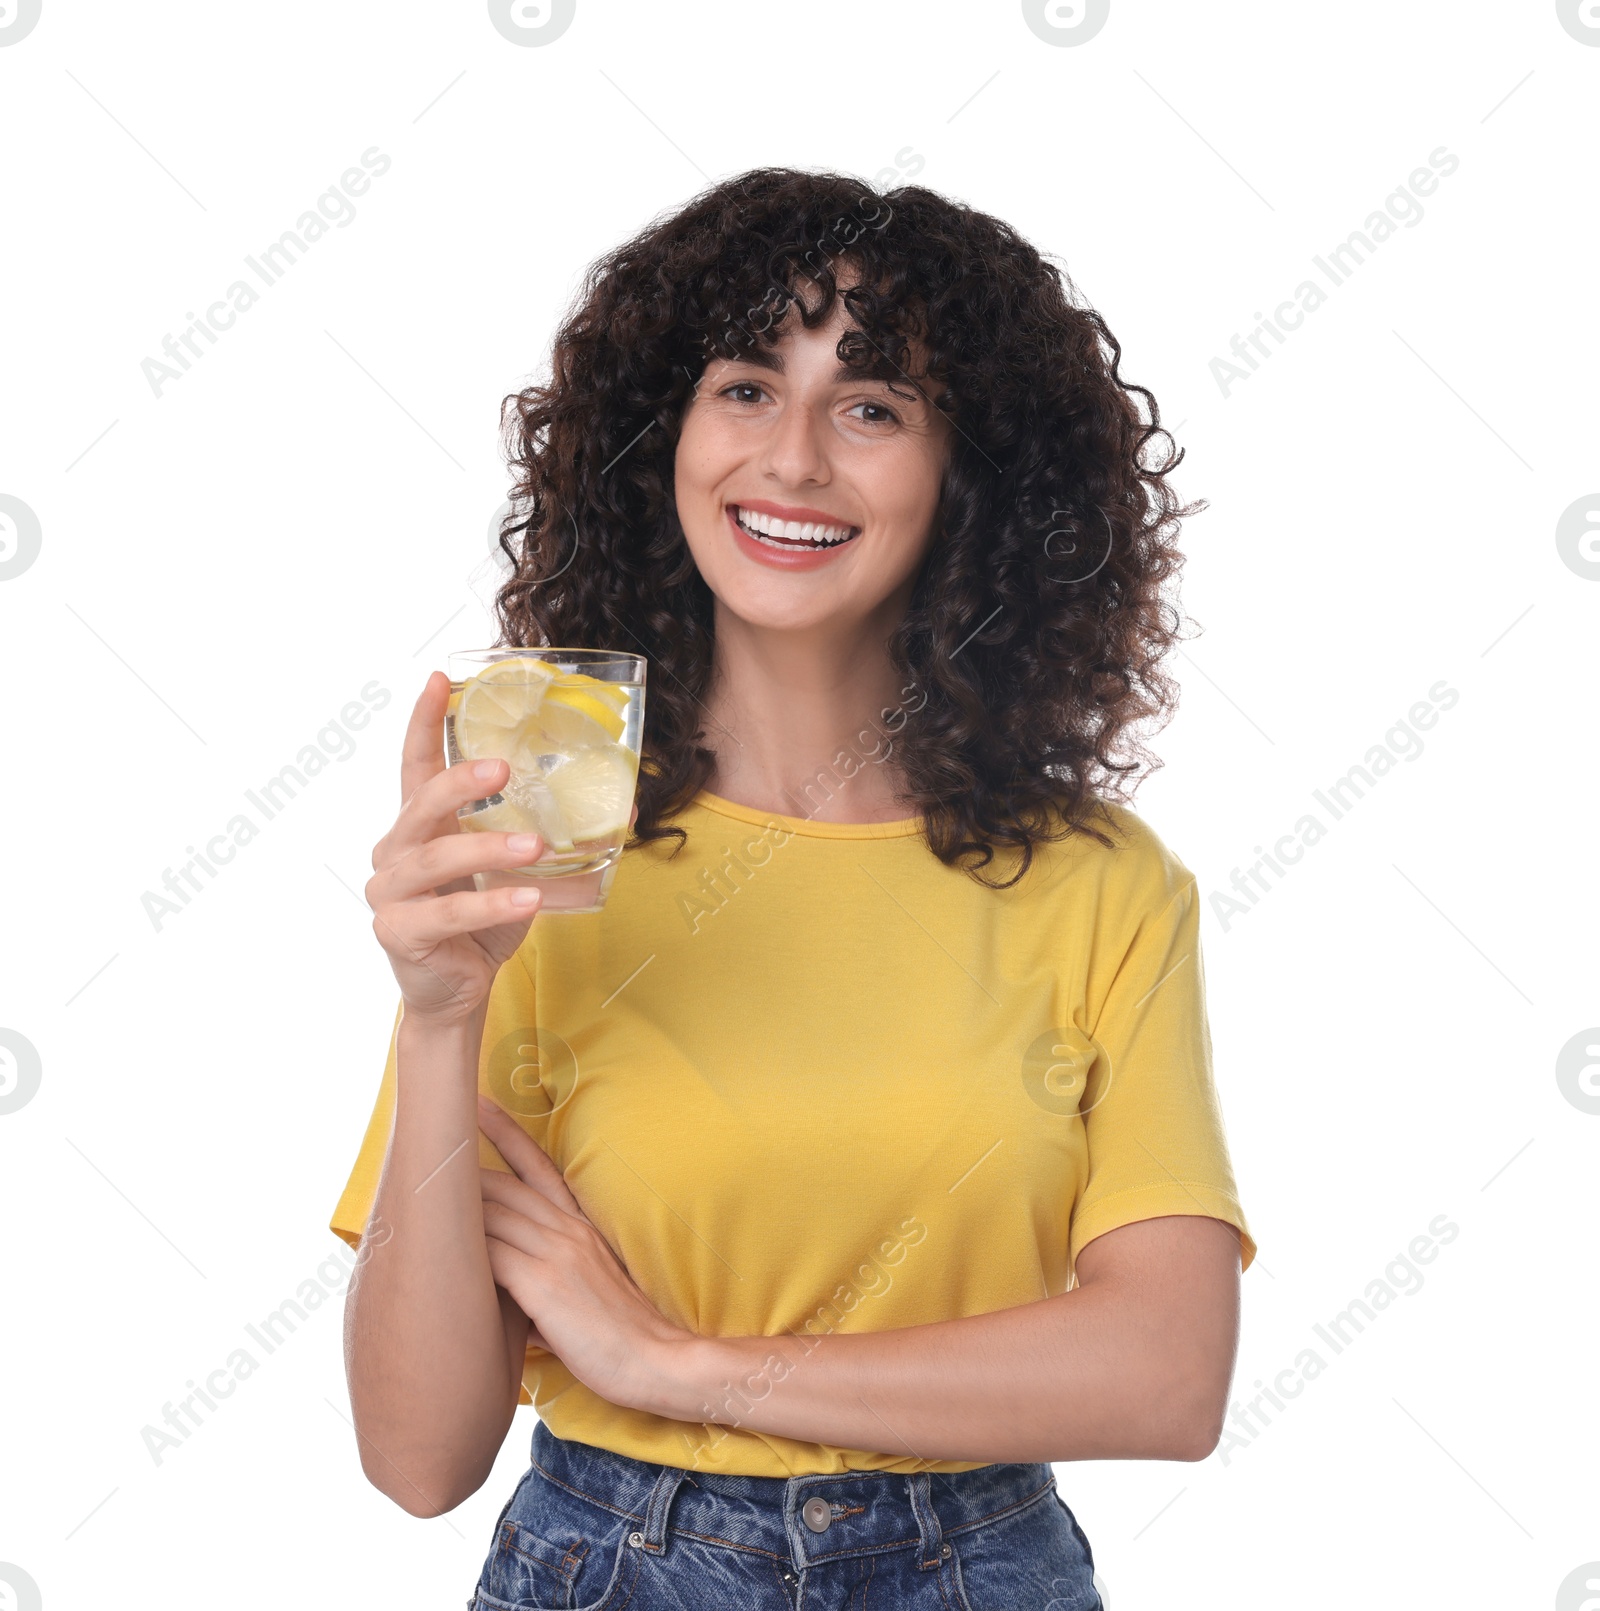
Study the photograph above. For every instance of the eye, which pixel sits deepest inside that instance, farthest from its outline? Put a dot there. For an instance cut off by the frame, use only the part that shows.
(877, 413)
(743, 391)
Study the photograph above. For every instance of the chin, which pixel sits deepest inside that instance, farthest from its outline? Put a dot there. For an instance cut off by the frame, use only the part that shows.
(776, 610)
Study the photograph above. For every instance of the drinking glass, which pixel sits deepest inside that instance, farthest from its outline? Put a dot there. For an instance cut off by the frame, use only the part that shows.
(569, 722)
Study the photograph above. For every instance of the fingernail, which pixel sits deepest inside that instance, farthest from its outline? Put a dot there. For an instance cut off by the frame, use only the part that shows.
(485, 769)
(524, 897)
(484, 1104)
(518, 843)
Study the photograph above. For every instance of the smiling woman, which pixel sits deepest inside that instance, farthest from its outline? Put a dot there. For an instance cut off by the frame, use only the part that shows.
(987, 404)
(858, 1192)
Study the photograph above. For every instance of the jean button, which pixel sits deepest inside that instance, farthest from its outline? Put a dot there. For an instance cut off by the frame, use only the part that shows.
(816, 1514)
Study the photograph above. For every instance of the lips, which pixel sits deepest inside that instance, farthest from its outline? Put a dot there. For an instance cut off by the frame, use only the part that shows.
(773, 530)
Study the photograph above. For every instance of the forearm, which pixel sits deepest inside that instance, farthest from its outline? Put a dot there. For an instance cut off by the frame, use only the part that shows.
(1085, 1375)
(426, 1343)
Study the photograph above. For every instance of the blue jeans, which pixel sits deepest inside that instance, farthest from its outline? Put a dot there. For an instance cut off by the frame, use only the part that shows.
(589, 1530)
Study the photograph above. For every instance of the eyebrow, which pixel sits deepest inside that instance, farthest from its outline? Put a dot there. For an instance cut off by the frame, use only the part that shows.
(770, 358)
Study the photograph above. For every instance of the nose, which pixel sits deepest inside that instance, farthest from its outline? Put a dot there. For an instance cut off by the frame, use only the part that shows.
(794, 454)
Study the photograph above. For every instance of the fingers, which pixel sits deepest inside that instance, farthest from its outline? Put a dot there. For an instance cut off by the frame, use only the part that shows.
(454, 854)
(422, 752)
(517, 1147)
(430, 789)
(530, 1162)
(430, 812)
(516, 1271)
(517, 1230)
(414, 928)
(512, 1192)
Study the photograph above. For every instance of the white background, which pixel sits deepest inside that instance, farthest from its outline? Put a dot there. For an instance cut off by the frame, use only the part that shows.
(222, 568)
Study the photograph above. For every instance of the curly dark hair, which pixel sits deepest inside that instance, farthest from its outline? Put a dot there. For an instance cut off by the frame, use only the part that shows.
(1036, 623)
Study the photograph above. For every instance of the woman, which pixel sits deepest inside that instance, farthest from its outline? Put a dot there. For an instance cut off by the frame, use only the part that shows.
(875, 1160)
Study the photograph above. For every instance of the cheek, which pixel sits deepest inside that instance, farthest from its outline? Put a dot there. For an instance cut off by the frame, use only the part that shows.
(704, 459)
(908, 492)
(686, 461)
(689, 483)
(700, 470)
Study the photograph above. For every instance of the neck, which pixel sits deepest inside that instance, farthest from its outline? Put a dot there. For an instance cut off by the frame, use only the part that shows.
(803, 723)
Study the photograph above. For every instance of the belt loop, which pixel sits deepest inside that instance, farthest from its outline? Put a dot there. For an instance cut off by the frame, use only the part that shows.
(660, 1503)
(928, 1528)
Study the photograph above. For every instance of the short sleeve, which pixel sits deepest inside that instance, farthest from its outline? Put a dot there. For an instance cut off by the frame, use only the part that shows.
(1152, 1120)
(355, 1202)
(518, 1066)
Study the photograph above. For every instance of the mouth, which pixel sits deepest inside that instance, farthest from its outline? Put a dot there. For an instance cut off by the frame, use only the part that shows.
(792, 535)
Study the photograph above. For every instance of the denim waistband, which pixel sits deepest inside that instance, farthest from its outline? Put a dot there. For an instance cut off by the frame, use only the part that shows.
(867, 1511)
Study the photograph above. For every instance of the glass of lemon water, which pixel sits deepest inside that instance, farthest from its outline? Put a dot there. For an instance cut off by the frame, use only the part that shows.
(569, 723)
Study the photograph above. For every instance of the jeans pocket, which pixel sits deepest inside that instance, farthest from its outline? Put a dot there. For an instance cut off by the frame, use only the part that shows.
(556, 1559)
(1036, 1557)
(1078, 1532)
(530, 1572)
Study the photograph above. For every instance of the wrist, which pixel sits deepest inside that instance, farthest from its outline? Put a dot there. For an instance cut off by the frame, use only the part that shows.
(679, 1376)
(452, 1030)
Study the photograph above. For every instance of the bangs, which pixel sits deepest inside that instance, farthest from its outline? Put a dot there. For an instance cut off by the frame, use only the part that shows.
(798, 257)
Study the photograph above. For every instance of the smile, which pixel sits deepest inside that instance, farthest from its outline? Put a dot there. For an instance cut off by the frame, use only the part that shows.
(791, 534)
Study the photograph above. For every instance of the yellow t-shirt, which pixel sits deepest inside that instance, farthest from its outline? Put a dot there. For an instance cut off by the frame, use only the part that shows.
(805, 1078)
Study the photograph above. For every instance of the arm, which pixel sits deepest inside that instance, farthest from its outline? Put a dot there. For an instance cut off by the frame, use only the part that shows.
(1133, 1363)
(433, 1351)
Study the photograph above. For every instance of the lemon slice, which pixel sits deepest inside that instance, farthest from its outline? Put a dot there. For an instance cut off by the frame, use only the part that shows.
(593, 790)
(614, 696)
(602, 702)
(570, 778)
(495, 703)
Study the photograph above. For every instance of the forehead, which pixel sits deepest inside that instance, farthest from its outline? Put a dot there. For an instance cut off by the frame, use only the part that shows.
(792, 344)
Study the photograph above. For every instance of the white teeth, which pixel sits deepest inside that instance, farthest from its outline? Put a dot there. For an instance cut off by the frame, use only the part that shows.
(792, 531)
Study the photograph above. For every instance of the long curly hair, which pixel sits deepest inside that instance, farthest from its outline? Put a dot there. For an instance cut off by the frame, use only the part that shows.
(1030, 650)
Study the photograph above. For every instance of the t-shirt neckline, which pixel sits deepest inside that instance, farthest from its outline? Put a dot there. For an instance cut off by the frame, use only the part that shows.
(805, 825)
